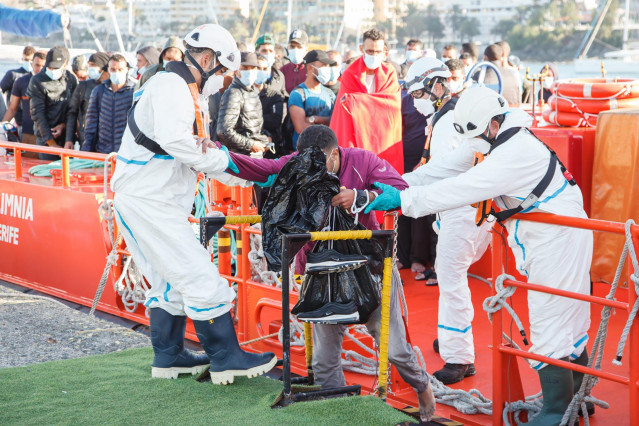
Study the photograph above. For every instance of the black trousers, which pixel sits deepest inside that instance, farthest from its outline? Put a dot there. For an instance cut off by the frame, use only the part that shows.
(416, 240)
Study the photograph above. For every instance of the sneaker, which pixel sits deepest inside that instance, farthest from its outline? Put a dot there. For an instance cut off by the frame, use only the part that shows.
(331, 261)
(332, 313)
(453, 373)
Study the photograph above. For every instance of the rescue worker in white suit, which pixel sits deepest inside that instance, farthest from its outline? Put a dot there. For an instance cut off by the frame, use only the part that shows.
(163, 147)
(554, 256)
(460, 241)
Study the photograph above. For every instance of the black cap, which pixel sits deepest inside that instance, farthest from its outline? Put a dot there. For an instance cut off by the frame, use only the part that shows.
(299, 36)
(249, 59)
(100, 59)
(57, 57)
(319, 55)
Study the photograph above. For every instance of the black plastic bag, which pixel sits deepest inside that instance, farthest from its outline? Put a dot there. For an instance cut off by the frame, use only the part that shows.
(299, 201)
(362, 285)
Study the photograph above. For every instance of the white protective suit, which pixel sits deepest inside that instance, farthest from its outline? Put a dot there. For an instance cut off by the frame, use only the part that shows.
(550, 255)
(460, 243)
(153, 199)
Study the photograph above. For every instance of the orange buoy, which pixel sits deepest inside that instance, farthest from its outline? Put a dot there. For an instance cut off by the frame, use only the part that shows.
(590, 106)
(597, 88)
(570, 119)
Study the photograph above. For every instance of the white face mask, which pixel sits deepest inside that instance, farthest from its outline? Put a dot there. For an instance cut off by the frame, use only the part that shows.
(212, 85)
(455, 86)
(26, 65)
(142, 70)
(54, 74)
(248, 77)
(424, 106)
(94, 73)
(373, 61)
(548, 81)
(412, 55)
(323, 74)
(296, 56)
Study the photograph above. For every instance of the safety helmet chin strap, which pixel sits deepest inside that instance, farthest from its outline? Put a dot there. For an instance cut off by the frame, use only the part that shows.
(440, 100)
(205, 75)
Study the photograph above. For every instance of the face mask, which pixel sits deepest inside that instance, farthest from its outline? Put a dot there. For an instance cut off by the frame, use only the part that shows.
(424, 106)
(262, 76)
(343, 68)
(94, 73)
(455, 86)
(548, 83)
(412, 55)
(142, 70)
(323, 75)
(54, 74)
(118, 77)
(334, 166)
(296, 55)
(270, 58)
(248, 77)
(26, 65)
(212, 85)
(373, 61)
(335, 73)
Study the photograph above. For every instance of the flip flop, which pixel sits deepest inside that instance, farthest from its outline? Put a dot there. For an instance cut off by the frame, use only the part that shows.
(423, 276)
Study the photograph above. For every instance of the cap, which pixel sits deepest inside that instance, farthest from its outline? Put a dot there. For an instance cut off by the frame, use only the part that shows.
(100, 59)
(173, 41)
(79, 63)
(56, 57)
(299, 36)
(265, 39)
(249, 59)
(319, 55)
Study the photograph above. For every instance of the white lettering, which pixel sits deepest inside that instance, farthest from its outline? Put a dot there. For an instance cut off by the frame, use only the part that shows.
(29, 213)
(9, 204)
(9, 234)
(16, 206)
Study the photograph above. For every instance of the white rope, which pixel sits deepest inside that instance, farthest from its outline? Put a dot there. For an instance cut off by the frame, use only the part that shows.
(494, 303)
(357, 210)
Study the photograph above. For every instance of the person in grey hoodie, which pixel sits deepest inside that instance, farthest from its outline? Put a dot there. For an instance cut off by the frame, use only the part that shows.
(146, 57)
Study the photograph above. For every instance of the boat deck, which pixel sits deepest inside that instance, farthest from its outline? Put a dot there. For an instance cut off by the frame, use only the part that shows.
(422, 323)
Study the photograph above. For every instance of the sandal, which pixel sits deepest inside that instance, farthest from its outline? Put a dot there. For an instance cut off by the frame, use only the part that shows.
(427, 274)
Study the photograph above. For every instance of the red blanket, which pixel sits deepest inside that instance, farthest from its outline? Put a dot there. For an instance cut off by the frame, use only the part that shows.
(370, 121)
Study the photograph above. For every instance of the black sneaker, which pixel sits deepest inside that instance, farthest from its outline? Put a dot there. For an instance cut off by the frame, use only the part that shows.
(332, 313)
(331, 261)
(453, 373)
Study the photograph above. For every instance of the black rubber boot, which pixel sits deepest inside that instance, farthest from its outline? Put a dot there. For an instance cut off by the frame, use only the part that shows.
(577, 378)
(167, 338)
(453, 373)
(228, 360)
(556, 388)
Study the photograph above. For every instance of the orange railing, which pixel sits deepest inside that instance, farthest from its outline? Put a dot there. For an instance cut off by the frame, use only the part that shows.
(64, 154)
(502, 388)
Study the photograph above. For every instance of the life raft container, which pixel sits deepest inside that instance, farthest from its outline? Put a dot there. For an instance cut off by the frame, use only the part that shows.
(570, 119)
(597, 88)
(590, 106)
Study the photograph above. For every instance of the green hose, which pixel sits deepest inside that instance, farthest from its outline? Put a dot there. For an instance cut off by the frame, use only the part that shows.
(74, 164)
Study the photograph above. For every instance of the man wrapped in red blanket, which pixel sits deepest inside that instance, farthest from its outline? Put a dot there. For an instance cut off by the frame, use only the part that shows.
(367, 111)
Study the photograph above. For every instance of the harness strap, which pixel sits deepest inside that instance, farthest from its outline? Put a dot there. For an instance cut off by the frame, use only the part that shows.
(448, 106)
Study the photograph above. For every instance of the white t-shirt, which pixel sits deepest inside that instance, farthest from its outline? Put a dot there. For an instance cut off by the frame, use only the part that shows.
(370, 83)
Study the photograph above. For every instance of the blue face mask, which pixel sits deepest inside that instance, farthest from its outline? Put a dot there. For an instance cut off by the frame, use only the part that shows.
(94, 73)
(296, 55)
(248, 77)
(270, 58)
(118, 77)
(412, 55)
(323, 74)
(26, 65)
(54, 74)
(262, 76)
(373, 61)
(335, 73)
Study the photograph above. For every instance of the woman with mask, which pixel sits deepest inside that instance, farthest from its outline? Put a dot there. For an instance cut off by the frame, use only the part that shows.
(311, 102)
(108, 106)
(240, 121)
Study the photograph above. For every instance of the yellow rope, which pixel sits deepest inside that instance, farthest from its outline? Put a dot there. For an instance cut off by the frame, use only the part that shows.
(341, 235)
(234, 220)
(308, 341)
(385, 327)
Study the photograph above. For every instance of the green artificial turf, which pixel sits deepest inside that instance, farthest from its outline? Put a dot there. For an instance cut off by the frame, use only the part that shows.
(118, 389)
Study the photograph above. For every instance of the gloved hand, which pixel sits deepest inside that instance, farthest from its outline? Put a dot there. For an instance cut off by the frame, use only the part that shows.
(269, 182)
(389, 199)
(232, 166)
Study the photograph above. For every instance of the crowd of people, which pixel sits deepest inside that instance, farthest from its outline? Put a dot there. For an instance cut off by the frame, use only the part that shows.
(396, 135)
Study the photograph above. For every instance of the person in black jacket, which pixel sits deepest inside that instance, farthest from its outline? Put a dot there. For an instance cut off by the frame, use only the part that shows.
(50, 93)
(108, 108)
(6, 84)
(97, 73)
(273, 108)
(240, 121)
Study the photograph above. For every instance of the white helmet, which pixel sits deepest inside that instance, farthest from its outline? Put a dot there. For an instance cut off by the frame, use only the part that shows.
(422, 71)
(219, 40)
(475, 108)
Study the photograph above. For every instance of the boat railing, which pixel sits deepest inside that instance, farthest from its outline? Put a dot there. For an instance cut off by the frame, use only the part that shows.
(64, 154)
(507, 386)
